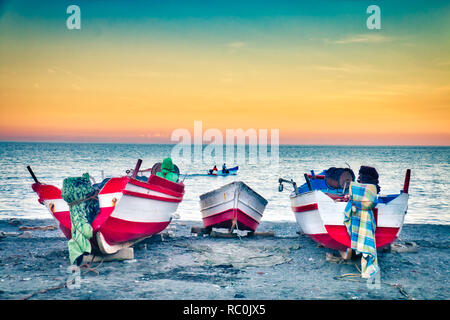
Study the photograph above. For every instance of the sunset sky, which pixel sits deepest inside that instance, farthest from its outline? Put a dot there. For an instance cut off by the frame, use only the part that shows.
(137, 70)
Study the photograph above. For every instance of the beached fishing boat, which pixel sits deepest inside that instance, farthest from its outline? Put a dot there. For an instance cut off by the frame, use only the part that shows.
(320, 214)
(232, 206)
(230, 171)
(131, 208)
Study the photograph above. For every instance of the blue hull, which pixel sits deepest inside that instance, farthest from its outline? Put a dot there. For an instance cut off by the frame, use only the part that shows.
(231, 171)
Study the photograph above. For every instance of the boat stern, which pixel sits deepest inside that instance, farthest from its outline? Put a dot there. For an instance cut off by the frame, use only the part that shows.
(234, 205)
(50, 197)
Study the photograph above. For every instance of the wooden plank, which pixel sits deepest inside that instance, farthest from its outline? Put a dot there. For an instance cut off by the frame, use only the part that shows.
(42, 228)
(123, 254)
(216, 234)
(200, 231)
(261, 234)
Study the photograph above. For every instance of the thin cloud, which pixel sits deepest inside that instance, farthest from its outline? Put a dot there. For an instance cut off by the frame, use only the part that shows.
(335, 68)
(66, 72)
(235, 46)
(347, 68)
(362, 38)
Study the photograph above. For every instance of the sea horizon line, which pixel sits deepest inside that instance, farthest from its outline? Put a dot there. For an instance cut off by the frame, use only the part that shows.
(236, 144)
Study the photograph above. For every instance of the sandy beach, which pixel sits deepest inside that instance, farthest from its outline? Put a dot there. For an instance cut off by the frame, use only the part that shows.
(289, 265)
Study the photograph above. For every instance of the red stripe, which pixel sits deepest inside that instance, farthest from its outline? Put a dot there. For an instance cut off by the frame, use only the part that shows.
(327, 241)
(149, 196)
(317, 176)
(307, 207)
(117, 230)
(383, 235)
(46, 192)
(222, 212)
(167, 184)
(156, 185)
(114, 185)
(225, 219)
(63, 217)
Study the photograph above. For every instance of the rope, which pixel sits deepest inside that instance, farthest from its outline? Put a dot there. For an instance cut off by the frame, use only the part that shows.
(349, 276)
(237, 229)
(60, 286)
(89, 268)
(64, 283)
(74, 203)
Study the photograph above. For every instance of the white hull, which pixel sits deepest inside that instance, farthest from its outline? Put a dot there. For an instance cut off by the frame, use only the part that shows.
(236, 201)
(321, 217)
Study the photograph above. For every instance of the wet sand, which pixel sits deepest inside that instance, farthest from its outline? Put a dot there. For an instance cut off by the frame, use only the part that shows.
(183, 266)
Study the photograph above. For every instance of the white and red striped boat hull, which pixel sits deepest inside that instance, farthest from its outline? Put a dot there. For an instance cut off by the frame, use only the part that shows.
(129, 209)
(322, 218)
(234, 205)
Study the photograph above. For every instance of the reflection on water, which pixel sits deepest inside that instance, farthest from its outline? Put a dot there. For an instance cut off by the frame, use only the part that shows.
(52, 162)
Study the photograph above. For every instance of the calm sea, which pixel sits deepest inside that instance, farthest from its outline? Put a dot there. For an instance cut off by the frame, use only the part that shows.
(52, 162)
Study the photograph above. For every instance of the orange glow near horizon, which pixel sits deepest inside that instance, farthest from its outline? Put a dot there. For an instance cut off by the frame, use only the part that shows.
(384, 90)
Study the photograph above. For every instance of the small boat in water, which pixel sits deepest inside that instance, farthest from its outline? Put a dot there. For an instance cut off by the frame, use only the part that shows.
(232, 206)
(230, 171)
(131, 208)
(319, 212)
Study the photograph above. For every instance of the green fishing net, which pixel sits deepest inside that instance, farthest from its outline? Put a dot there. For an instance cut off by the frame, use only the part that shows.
(79, 193)
(168, 170)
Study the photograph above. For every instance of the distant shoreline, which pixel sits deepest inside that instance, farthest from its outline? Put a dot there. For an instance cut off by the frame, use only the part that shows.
(205, 144)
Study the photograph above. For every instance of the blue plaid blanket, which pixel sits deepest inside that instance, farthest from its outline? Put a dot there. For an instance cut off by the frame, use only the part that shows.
(360, 223)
